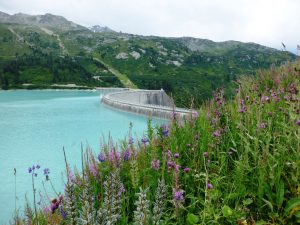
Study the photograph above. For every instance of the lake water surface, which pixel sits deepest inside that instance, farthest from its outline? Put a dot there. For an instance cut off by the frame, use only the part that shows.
(34, 127)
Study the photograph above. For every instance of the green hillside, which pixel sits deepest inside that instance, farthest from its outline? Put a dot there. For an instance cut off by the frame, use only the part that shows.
(48, 49)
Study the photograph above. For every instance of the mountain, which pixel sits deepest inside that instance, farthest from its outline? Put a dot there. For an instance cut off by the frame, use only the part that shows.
(100, 29)
(47, 20)
(47, 49)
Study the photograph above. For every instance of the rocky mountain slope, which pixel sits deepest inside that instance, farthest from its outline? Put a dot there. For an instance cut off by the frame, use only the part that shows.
(46, 49)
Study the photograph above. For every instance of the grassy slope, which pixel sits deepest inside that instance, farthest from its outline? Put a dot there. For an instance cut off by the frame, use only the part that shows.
(243, 157)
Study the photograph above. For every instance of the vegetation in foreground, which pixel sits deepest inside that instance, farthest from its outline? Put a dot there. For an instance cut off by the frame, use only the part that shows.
(232, 162)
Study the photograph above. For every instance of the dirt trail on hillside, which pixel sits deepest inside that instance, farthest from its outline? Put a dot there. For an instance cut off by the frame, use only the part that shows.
(61, 44)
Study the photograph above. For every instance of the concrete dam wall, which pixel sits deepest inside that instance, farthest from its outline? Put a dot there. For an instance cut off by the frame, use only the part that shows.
(154, 103)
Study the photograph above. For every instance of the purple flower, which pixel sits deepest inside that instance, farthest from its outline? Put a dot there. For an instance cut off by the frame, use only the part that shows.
(205, 154)
(217, 133)
(164, 130)
(29, 170)
(270, 114)
(169, 154)
(208, 161)
(46, 171)
(170, 164)
(127, 155)
(155, 164)
(262, 126)
(176, 155)
(186, 169)
(242, 110)
(38, 166)
(178, 195)
(130, 141)
(93, 170)
(298, 122)
(62, 212)
(195, 114)
(145, 140)
(210, 186)
(122, 189)
(177, 168)
(101, 157)
(114, 156)
(33, 167)
(265, 99)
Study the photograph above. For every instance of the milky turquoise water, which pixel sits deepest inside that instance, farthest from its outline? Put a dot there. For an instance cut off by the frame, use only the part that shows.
(34, 127)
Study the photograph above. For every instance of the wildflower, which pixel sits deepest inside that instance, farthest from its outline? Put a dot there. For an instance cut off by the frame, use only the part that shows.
(242, 110)
(265, 99)
(130, 141)
(29, 170)
(210, 186)
(186, 169)
(127, 155)
(169, 154)
(178, 196)
(270, 114)
(46, 171)
(93, 170)
(164, 130)
(101, 157)
(155, 164)
(195, 114)
(33, 167)
(173, 115)
(62, 212)
(205, 154)
(298, 122)
(177, 168)
(114, 156)
(170, 164)
(176, 155)
(262, 125)
(145, 140)
(287, 98)
(122, 189)
(217, 133)
(47, 210)
(208, 161)
(38, 166)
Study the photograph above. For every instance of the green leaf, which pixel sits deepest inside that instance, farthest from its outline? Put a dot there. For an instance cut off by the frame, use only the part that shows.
(192, 218)
(268, 204)
(280, 193)
(247, 201)
(261, 222)
(291, 204)
(227, 211)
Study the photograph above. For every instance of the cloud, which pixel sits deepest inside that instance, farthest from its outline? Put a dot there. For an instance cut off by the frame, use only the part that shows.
(267, 22)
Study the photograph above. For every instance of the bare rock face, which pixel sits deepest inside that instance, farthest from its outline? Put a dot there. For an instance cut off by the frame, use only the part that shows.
(122, 55)
(135, 55)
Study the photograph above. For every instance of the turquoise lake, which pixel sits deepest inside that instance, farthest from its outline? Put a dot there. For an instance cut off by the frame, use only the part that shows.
(34, 128)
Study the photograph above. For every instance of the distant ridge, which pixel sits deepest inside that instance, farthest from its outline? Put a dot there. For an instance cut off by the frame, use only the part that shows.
(47, 20)
(100, 29)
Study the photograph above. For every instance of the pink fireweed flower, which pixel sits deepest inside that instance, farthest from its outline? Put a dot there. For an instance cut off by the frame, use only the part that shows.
(265, 99)
(242, 110)
(155, 164)
(178, 196)
(217, 133)
(195, 114)
(169, 154)
(177, 168)
(93, 170)
(114, 157)
(122, 189)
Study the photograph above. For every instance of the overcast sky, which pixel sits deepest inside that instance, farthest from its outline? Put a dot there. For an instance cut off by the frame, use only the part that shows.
(268, 22)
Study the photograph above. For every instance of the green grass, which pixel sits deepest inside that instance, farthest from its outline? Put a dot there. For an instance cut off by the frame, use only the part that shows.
(243, 157)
